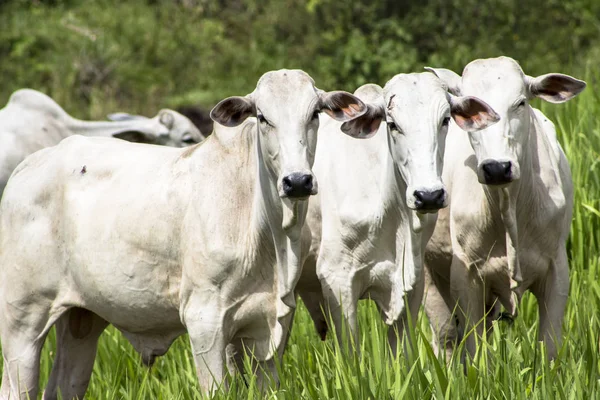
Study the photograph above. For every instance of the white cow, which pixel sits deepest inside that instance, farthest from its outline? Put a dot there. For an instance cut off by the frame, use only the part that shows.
(158, 241)
(377, 205)
(511, 200)
(31, 121)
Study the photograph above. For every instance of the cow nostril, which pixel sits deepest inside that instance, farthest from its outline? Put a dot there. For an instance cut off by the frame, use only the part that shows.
(287, 184)
(307, 181)
(507, 166)
(418, 198)
(488, 169)
(438, 196)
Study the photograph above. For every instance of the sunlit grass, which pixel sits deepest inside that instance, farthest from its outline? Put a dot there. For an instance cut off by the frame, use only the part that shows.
(513, 368)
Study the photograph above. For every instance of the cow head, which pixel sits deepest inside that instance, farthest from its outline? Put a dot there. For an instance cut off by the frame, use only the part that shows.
(287, 106)
(182, 131)
(502, 84)
(168, 128)
(418, 109)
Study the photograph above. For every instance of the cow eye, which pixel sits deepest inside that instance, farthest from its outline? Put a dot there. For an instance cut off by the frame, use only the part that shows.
(446, 121)
(521, 104)
(392, 127)
(315, 115)
(188, 139)
(261, 118)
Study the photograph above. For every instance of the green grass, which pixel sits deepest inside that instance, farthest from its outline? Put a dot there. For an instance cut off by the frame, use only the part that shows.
(516, 369)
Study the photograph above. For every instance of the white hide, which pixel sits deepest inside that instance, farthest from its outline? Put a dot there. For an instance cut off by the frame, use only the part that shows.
(159, 241)
(495, 241)
(368, 230)
(31, 121)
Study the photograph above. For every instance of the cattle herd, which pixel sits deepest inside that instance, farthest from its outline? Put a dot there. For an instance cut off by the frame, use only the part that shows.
(437, 189)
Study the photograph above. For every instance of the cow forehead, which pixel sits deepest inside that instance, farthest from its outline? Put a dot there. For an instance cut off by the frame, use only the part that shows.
(284, 89)
(493, 78)
(415, 91)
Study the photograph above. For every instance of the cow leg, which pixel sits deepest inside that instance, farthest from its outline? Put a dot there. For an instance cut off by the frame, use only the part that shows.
(467, 287)
(408, 318)
(204, 322)
(315, 304)
(235, 357)
(21, 350)
(267, 371)
(441, 317)
(552, 301)
(342, 302)
(77, 333)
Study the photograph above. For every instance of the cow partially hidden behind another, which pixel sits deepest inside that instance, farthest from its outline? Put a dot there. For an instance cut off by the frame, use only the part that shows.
(31, 121)
(511, 201)
(379, 199)
(159, 241)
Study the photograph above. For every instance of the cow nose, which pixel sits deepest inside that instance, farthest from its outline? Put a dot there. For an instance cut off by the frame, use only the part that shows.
(497, 173)
(298, 185)
(429, 200)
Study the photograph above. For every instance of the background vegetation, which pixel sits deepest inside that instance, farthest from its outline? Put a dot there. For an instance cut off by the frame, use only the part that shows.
(97, 56)
(139, 55)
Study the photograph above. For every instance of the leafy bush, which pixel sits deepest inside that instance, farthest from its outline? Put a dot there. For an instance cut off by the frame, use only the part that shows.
(139, 55)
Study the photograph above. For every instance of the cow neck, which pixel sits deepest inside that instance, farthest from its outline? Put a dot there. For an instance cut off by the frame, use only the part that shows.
(109, 128)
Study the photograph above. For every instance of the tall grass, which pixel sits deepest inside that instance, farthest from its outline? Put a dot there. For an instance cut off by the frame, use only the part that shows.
(516, 368)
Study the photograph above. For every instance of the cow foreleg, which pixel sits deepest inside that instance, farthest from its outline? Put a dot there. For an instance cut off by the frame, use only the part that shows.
(21, 353)
(342, 302)
(408, 319)
(467, 287)
(77, 333)
(315, 304)
(552, 301)
(204, 324)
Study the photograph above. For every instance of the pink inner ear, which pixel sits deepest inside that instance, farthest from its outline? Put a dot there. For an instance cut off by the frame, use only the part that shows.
(461, 121)
(469, 121)
(374, 126)
(557, 87)
(352, 110)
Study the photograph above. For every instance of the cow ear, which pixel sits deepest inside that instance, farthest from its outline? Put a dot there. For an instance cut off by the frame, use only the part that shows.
(449, 78)
(232, 111)
(555, 88)
(366, 125)
(135, 137)
(166, 118)
(342, 106)
(472, 114)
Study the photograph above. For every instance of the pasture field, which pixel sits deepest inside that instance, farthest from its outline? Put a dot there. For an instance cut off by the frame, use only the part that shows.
(514, 368)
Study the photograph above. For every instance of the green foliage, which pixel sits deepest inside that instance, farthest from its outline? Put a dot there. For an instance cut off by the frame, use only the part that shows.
(139, 55)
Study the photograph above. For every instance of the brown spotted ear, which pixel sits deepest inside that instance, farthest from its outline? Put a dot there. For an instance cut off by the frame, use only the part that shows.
(555, 88)
(366, 125)
(472, 114)
(342, 106)
(449, 78)
(232, 111)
